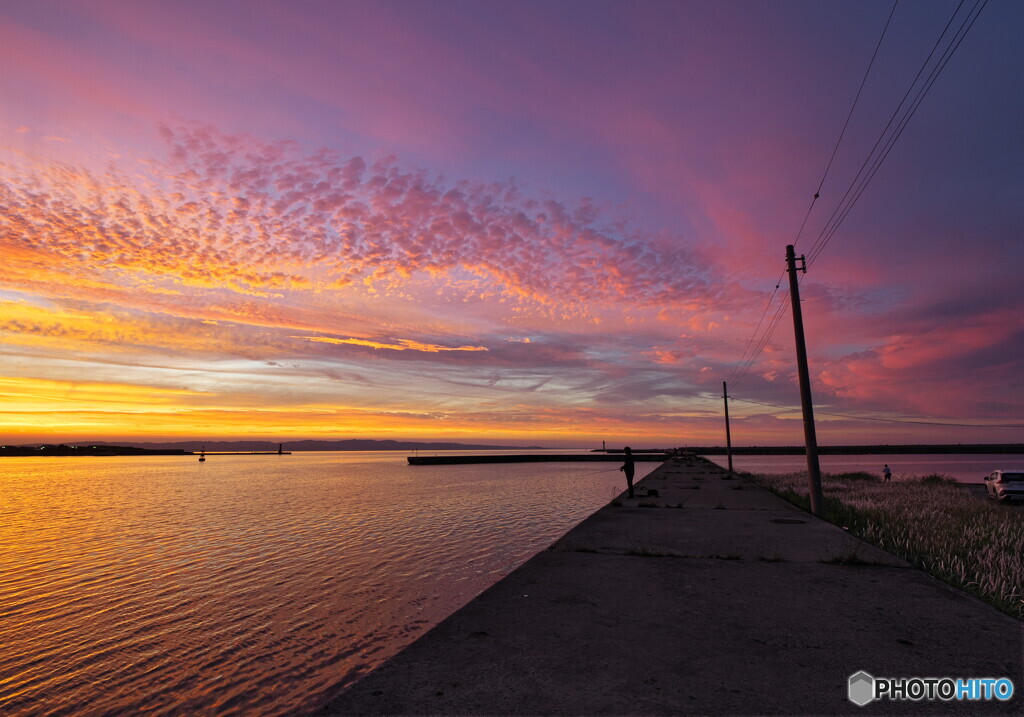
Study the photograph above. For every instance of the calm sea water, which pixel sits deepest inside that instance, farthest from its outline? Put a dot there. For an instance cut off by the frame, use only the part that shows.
(250, 584)
(965, 468)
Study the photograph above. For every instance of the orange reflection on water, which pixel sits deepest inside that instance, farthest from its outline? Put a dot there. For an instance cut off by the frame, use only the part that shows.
(249, 584)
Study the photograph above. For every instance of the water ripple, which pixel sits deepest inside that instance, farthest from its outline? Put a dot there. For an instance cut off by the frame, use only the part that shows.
(249, 583)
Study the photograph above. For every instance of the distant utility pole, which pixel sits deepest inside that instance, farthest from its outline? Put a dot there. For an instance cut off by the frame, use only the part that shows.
(813, 470)
(728, 435)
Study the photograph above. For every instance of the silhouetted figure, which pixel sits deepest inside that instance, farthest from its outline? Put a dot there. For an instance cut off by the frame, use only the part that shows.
(629, 469)
(886, 473)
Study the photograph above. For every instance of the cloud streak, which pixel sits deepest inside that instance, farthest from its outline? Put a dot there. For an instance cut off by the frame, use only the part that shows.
(402, 345)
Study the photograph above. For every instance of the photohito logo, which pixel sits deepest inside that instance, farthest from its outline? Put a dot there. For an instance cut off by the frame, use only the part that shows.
(863, 688)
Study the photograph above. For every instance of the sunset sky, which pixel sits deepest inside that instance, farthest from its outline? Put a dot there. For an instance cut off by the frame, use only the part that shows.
(543, 222)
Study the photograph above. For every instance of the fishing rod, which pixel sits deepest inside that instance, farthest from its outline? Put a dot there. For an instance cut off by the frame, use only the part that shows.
(604, 470)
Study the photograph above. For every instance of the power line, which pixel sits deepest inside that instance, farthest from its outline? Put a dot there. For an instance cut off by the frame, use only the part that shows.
(846, 124)
(737, 370)
(884, 420)
(881, 136)
(868, 169)
(746, 362)
(873, 162)
(771, 298)
(780, 313)
(756, 345)
(853, 106)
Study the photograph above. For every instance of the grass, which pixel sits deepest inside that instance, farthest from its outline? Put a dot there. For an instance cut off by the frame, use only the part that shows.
(936, 479)
(850, 556)
(931, 523)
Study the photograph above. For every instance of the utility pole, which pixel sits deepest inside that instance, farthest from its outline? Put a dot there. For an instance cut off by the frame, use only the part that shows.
(728, 436)
(813, 470)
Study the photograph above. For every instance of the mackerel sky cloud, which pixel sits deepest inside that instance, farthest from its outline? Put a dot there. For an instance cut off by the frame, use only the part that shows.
(533, 222)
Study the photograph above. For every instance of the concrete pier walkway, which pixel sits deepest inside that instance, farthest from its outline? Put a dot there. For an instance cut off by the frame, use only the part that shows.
(713, 597)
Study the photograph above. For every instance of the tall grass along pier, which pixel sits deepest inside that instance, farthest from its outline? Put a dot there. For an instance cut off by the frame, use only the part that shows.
(704, 594)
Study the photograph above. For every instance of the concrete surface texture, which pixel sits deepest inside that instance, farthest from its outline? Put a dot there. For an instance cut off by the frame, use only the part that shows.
(712, 597)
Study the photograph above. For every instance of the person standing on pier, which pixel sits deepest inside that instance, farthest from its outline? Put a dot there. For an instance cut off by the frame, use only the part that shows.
(629, 469)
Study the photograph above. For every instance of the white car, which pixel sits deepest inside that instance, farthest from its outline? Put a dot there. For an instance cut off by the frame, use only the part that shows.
(1005, 486)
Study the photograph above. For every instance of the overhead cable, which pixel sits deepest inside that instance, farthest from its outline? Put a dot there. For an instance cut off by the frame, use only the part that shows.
(756, 345)
(849, 116)
(888, 139)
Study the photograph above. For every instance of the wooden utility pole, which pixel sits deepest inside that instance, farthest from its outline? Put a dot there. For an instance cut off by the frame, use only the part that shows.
(728, 435)
(813, 470)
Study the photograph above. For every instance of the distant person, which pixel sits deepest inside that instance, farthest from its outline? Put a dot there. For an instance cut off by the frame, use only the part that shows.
(886, 473)
(630, 469)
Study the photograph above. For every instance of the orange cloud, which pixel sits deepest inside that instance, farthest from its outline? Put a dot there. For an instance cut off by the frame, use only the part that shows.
(49, 402)
(402, 345)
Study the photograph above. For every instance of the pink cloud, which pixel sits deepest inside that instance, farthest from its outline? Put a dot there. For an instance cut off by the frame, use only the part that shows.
(229, 212)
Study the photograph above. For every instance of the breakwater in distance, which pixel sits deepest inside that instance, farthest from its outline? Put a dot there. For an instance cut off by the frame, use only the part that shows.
(534, 458)
(919, 449)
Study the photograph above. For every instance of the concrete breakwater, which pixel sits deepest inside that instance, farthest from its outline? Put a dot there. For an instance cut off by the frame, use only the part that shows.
(532, 458)
(704, 594)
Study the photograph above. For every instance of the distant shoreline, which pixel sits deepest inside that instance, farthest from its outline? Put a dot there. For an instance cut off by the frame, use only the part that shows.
(84, 451)
(191, 448)
(918, 449)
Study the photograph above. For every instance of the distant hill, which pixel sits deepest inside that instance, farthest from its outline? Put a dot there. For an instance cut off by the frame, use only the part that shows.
(354, 444)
